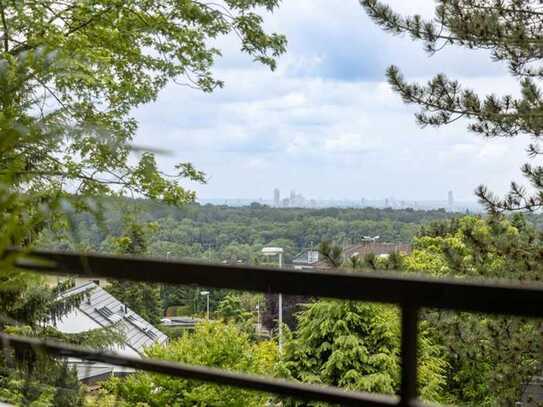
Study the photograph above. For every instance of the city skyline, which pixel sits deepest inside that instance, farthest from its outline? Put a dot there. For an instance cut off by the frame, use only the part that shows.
(296, 199)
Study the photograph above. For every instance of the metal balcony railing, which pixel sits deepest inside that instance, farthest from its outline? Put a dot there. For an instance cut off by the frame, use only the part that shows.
(409, 293)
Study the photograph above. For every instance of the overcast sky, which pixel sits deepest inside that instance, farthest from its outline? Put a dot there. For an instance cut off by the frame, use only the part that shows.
(326, 123)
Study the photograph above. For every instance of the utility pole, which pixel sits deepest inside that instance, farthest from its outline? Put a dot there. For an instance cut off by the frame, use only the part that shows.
(272, 251)
(258, 317)
(206, 293)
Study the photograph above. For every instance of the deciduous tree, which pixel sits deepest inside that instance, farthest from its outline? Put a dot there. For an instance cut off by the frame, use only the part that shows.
(212, 344)
(70, 75)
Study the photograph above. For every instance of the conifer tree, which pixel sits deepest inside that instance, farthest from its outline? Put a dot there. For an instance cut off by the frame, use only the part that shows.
(142, 298)
(512, 31)
(490, 358)
(356, 346)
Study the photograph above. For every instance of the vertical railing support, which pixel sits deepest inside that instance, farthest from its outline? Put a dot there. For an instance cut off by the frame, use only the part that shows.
(408, 387)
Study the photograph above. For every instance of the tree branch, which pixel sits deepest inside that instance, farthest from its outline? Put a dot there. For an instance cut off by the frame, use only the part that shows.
(89, 21)
(4, 24)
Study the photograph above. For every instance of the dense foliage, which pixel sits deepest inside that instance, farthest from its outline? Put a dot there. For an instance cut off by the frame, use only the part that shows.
(330, 332)
(356, 346)
(212, 344)
(142, 298)
(44, 382)
(490, 358)
(494, 247)
(224, 234)
(71, 73)
(220, 233)
(29, 307)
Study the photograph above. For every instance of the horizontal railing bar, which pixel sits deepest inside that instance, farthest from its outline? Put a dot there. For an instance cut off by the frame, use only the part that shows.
(268, 385)
(488, 297)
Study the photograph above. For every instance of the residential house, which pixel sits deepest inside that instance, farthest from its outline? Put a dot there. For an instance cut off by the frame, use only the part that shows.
(312, 259)
(99, 309)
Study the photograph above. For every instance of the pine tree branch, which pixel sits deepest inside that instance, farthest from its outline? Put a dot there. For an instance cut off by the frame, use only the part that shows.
(425, 31)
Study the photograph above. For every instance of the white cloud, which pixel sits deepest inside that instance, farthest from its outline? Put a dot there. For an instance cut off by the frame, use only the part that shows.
(424, 8)
(317, 126)
(350, 143)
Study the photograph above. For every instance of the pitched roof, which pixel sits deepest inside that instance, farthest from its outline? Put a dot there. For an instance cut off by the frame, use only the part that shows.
(101, 309)
(106, 311)
(361, 249)
(312, 258)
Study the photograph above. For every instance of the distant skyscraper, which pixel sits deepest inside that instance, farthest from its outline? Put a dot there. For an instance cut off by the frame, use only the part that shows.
(451, 200)
(276, 197)
(292, 196)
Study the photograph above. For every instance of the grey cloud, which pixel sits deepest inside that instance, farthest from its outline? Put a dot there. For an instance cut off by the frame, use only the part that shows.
(325, 123)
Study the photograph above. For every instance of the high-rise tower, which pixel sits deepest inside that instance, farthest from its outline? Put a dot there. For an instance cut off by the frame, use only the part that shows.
(276, 197)
(450, 200)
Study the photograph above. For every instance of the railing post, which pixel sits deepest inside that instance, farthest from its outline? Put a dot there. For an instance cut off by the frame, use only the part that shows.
(408, 387)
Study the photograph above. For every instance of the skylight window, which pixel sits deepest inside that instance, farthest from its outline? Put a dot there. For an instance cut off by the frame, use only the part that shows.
(146, 329)
(108, 314)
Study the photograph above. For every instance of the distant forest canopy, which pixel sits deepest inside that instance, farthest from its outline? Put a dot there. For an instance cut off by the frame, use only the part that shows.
(222, 233)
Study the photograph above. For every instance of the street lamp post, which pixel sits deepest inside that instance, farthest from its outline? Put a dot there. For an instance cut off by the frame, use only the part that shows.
(258, 317)
(162, 285)
(206, 293)
(272, 251)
